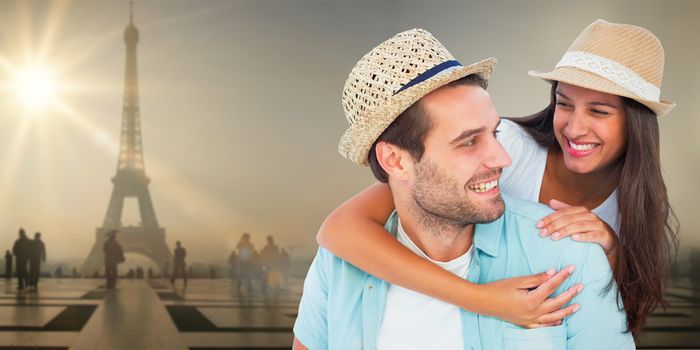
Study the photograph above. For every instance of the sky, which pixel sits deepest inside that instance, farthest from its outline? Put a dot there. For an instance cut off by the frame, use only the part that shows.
(241, 113)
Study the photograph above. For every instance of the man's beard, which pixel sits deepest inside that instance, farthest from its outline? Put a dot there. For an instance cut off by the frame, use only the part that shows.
(440, 201)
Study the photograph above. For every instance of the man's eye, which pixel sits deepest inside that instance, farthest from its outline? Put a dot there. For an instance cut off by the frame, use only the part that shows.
(469, 143)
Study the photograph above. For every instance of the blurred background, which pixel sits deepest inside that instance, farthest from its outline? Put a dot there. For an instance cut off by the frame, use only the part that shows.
(240, 118)
(240, 107)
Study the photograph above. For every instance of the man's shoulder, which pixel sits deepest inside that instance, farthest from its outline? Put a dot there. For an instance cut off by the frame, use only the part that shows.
(337, 269)
(524, 210)
(521, 224)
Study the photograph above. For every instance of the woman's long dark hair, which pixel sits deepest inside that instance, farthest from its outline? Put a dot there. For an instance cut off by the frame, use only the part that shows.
(648, 225)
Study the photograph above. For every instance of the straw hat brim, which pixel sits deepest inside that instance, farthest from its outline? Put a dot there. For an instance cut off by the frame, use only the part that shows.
(578, 77)
(360, 136)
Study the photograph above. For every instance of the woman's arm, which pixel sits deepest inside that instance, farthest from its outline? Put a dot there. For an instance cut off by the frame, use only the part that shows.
(355, 232)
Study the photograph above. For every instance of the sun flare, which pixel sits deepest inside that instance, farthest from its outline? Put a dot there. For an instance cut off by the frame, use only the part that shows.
(36, 87)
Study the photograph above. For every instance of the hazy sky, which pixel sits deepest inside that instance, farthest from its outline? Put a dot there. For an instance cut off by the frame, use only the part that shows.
(241, 113)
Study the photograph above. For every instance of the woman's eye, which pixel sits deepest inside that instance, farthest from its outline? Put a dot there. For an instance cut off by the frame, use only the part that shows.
(599, 112)
(563, 104)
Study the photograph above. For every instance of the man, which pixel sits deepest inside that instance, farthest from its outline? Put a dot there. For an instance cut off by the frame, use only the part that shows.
(8, 265)
(37, 256)
(269, 257)
(22, 249)
(114, 255)
(246, 261)
(179, 266)
(233, 265)
(426, 125)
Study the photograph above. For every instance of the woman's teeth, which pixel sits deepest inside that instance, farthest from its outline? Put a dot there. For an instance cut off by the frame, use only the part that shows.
(484, 186)
(582, 147)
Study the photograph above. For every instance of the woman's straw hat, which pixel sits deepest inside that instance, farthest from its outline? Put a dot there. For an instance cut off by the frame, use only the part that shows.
(389, 79)
(618, 59)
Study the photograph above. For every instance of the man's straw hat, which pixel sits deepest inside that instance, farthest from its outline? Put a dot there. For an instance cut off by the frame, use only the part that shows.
(389, 79)
(618, 59)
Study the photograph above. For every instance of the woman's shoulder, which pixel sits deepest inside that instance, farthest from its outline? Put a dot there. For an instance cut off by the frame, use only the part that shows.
(522, 178)
(515, 139)
(511, 129)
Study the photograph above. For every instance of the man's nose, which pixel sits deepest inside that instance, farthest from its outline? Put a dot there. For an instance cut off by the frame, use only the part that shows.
(497, 156)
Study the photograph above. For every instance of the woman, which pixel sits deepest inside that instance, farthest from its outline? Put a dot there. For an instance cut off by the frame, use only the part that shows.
(592, 155)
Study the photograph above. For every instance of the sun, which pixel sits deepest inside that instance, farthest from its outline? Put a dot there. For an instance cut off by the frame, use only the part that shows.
(36, 87)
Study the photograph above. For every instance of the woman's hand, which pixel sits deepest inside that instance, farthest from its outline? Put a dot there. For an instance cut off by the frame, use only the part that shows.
(525, 301)
(579, 223)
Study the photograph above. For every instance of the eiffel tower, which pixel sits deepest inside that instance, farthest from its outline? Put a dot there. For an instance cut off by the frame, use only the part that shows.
(148, 238)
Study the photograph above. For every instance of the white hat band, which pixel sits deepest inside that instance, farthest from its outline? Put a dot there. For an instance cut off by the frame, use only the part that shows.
(613, 71)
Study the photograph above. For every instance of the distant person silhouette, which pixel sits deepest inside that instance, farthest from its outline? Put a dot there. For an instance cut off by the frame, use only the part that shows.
(114, 255)
(58, 273)
(269, 259)
(179, 266)
(139, 273)
(22, 251)
(38, 255)
(257, 268)
(233, 265)
(285, 266)
(246, 263)
(8, 265)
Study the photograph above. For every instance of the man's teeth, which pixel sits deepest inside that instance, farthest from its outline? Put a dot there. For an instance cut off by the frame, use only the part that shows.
(583, 147)
(484, 186)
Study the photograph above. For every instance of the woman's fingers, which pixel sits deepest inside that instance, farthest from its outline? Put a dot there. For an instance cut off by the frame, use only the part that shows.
(551, 222)
(555, 204)
(555, 310)
(562, 299)
(576, 227)
(593, 236)
(558, 315)
(533, 281)
(548, 287)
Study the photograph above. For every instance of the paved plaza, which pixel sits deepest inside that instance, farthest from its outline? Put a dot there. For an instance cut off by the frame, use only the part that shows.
(146, 314)
(678, 327)
(213, 314)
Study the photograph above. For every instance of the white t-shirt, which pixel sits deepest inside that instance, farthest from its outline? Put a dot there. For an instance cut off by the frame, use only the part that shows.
(523, 179)
(416, 321)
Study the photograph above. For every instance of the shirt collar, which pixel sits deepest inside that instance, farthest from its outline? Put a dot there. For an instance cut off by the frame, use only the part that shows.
(487, 236)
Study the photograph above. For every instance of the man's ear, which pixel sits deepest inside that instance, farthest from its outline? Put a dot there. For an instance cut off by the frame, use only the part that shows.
(397, 162)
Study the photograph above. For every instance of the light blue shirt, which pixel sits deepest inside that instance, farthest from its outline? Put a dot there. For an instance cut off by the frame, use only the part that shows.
(342, 306)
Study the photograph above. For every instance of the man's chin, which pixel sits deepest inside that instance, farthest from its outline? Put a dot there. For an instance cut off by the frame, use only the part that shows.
(491, 209)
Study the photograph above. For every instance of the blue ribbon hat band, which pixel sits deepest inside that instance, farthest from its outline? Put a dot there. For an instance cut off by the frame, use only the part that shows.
(440, 68)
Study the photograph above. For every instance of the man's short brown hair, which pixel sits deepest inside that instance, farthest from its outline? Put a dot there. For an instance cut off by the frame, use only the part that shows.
(409, 129)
